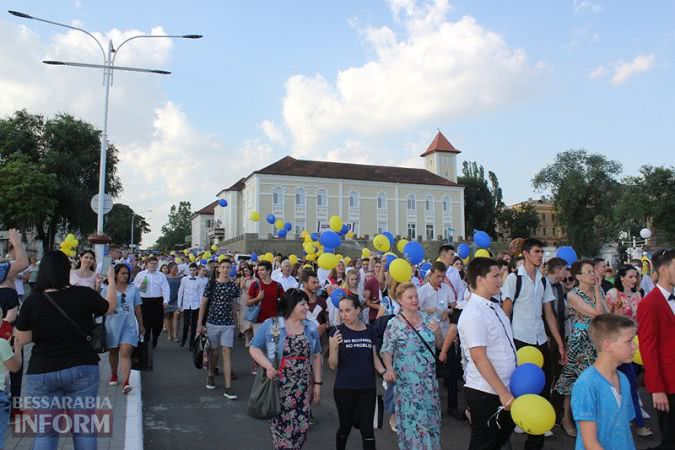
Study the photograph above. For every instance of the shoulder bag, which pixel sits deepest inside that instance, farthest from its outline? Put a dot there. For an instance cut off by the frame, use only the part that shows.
(96, 338)
(253, 311)
(264, 402)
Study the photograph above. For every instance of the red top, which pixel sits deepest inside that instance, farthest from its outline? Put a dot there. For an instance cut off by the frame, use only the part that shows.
(373, 286)
(656, 323)
(273, 293)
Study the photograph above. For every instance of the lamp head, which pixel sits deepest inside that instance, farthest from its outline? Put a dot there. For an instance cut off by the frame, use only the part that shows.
(192, 36)
(20, 14)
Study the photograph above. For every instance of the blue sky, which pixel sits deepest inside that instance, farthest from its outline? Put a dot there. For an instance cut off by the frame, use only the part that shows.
(509, 83)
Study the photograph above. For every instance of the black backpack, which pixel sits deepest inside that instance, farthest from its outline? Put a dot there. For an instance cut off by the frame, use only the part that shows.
(519, 285)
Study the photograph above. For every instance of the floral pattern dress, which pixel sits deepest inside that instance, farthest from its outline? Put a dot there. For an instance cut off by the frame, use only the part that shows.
(289, 429)
(580, 351)
(620, 303)
(416, 394)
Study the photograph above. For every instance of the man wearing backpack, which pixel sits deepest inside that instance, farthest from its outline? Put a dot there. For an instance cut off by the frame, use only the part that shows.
(528, 299)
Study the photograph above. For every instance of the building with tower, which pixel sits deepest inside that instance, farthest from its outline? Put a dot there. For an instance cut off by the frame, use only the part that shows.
(421, 204)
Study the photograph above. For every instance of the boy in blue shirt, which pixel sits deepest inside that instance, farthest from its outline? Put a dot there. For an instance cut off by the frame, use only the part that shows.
(601, 401)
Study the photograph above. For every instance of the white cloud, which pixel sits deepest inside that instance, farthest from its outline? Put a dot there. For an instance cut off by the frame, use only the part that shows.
(621, 71)
(581, 6)
(273, 132)
(437, 69)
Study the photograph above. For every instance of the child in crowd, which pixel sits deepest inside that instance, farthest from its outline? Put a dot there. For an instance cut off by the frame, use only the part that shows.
(601, 400)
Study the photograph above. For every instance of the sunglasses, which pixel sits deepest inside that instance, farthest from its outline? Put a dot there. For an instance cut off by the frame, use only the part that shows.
(124, 298)
(568, 280)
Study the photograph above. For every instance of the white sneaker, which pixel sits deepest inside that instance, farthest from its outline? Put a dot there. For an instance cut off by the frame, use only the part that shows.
(518, 430)
(548, 434)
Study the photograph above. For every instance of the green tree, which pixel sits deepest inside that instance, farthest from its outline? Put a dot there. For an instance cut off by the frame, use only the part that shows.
(649, 199)
(26, 192)
(118, 225)
(585, 190)
(69, 149)
(482, 198)
(518, 222)
(178, 227)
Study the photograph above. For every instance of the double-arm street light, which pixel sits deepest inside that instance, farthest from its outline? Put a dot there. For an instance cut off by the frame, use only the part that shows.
(108, 67)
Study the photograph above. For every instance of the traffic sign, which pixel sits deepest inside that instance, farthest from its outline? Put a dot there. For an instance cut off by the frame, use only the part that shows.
(107, 203)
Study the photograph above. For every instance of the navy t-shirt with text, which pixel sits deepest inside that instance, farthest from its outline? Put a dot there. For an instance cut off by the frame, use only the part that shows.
(355, 359)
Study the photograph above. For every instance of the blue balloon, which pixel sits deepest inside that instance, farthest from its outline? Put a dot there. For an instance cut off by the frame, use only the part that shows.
(414, 252)
(463, 250)
(288, 226)
(424, 268)
(337, 295)
(271, 219)
(388, 260)
(328, 250)
(233, 271)
(482, 239)
(282, 233)
(344, 230)
(222, 202)
(527, 379)
(568, 254)
(314, 236)
(390, 237)
(330, 239)
(203, 262)
(254, 257)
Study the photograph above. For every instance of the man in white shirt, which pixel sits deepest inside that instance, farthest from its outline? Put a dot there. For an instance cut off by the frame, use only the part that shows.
(488, 347)
(284, 278)
(437, 299)
(189, 297)
(527, 296)
(155, 294)
(446, 254)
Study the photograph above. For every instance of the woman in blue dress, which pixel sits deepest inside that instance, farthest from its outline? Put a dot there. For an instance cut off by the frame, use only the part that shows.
(410, 361)
(170, 316)
(122, 327)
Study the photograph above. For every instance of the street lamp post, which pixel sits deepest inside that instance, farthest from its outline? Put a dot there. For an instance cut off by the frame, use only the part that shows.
(133, 215)
(108, 67)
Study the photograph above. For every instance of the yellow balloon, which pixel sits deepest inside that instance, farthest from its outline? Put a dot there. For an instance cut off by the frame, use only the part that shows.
(255, 216)
(72, 253)
(328, 261)
(279, 224)
(269, 256)
(401, 244)
(381, 243)
(466, 260)
(70, 237)
(533, 413)
(347, 260)
(206, 255)
(185, 252)
(482, 253)
(529, 354)
(339, 257)
(335, 224)
(191, 257)
(173, 253)
(178, 260)
(350, 235)
(293, 259)
(365, 253)
(221, 258)
(309, 248)
(400, 270)
(311, 257)
(637, 356)
(214, 248)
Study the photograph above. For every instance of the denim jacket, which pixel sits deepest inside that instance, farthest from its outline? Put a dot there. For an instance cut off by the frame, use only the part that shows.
(264, 340)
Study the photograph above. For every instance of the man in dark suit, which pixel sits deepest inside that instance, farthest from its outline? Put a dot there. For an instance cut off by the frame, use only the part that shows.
(656, 321)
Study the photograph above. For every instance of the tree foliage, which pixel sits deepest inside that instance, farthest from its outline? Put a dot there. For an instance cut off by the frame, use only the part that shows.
(118, 225)
(68, 149)
(585, 189)
(518, 222)
(482, 198)
(179, 226)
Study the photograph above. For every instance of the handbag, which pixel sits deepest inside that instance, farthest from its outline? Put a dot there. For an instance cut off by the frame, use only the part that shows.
(96, 338)
(201, 347)
(253, 311)
(139, 357)
(264, 402)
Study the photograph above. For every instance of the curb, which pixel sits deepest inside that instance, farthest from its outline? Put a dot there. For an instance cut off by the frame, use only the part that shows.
(133, 430)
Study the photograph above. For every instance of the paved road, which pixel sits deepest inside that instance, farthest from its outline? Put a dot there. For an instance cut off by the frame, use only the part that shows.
(180, 413)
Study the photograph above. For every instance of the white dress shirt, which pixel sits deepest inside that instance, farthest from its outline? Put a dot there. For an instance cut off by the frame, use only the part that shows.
(286, 282)
(455, 280)
(190, 293)
(484, 324)
(667, 295)
(157, 285)
(439, 299)
(528, 309)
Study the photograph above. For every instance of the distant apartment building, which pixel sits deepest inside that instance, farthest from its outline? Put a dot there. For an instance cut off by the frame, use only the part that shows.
(548, 231)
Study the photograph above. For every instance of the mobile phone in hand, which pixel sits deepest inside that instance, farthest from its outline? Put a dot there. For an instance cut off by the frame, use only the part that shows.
(105, 265)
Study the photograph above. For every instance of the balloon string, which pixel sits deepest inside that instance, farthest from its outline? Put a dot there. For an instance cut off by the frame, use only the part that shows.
(496, 417)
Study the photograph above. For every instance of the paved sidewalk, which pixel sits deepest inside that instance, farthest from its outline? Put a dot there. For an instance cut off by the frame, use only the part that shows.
(127, 428)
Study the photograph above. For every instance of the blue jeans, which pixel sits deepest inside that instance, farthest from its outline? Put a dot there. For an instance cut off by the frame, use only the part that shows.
(74, 385)
(4, 416)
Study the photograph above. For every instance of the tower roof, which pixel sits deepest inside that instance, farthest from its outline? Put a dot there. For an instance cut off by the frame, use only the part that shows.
(440, 144)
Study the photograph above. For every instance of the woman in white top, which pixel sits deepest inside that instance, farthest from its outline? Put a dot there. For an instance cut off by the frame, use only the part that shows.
(84, 274)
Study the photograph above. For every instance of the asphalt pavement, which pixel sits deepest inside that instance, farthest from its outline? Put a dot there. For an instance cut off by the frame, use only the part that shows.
(180, 413)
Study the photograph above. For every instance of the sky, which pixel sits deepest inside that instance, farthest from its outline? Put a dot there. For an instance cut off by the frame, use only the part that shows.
(510, 84)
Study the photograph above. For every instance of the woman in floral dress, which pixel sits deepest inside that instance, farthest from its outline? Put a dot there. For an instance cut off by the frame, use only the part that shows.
(624, 299)
(585, 302)
(299, 351)
(412, 366)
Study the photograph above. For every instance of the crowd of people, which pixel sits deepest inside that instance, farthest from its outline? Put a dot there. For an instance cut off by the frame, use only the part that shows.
(449, 325)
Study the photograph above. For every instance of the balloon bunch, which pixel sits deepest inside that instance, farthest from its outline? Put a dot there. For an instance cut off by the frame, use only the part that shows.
(531, 412)
(69, 245)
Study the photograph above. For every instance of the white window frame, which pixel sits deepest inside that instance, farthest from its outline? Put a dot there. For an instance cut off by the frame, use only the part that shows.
(300, 197)
(354, 200)
(426, 232)
(412, 226)
(412, 202)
